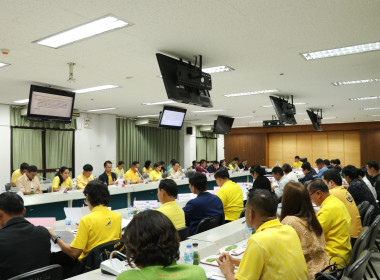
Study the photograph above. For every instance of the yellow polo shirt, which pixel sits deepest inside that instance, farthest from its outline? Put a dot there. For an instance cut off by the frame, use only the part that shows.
(147, 170)
(154, 175)
(297, 164)
(336, 222)
(232, 167)
(118, 172)
(15, 175)
(132, 176)
(174, 213)
(231, 196)
(100, 226)
(65, 184)
(82, 181)
(273, 252)
(343, 195)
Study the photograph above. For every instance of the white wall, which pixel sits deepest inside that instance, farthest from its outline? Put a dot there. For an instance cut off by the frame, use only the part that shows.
(5, 144)
(187, 147)
(96, 143)
(220, 147)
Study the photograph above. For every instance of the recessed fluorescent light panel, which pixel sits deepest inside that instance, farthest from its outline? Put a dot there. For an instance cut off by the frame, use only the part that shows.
(83, 31)
(356, 82)
(2, 64)
(147, 116)
(342, 51)
(22, 101)
(368, 109)
(375, 115)
(207, 111)
(364, 98)
(256, 122)
(269, 106)
(251, 93)
(101, 109)
(217, 69)
(159, 103)
(95, 88)
(243, 117)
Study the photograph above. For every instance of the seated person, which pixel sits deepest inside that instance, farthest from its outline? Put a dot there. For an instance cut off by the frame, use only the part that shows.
(243, 165)
(202, 166)
(176, 171)
(18, 173)
(336, 164)
(156, 174)
(289, 172)
(327, 164)
(170, 165)
(108, 177)
(29, 181)
(333, 181)
(85, 177)
(297, 211)
(119, 170)
(156, 252)
(167, 193)
(132, 175)
(100, 226)
(20, 239)
(223, 164)
(309, 173)
(297, 163)
(259, 180)
(363, 175)
(281, 179)
(205, 205)
(163, 168)
(147, 167)
(193, 166)
(273, 252)
(212, 168)
(230, 194)
(321, 167)
(335, 221)
(62, 180)
(234, 165)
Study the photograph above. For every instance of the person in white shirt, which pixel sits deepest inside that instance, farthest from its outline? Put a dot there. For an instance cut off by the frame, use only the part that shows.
(29, 181)
(176, 171)
(281, 179)
(289, 172)
(362, 173)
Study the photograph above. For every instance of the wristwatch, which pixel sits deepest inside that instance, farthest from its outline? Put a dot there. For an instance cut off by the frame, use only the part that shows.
(55, 238)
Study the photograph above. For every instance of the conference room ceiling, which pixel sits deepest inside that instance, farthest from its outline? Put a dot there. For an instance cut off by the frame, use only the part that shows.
(261, 40)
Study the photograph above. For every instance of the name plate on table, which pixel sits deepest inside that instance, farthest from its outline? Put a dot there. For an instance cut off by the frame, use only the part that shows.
(186, 196)
(140, 204)
(44, 222)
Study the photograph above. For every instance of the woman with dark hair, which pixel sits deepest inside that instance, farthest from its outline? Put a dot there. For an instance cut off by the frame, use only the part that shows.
(222, 164)
(156, 251)
(119, 169)
(298, 212)
(62, 180)
(260, 181)
(147, 167)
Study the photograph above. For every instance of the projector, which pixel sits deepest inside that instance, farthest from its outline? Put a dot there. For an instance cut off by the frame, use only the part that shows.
(273, 123)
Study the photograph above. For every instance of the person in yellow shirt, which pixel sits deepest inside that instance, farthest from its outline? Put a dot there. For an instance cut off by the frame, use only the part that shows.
(132, 175)
(335, 221)
(147, 167)
(119, 170)
(234, 165)
(156, 174)
(273, 252)
(62, 180)
(100, 226)
(333, 180)
(18, 173)
(85, 177)
(167, 193)
(108, 177)
(297, 163)
(230, 194)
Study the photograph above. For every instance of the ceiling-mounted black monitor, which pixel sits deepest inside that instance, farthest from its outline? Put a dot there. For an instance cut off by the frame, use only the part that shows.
(285, 111)
(223, 125)
(50, 104)
(315, 119)
(172, 117)
(184, 82)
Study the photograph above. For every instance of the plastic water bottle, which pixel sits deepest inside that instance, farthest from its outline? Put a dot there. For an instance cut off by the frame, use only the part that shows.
(68, 224)
(147, 205)
(189, 254)
(247, 232)
(195, 254)
(128, 182)
(130, 211)
(74, 185)
(32, 191)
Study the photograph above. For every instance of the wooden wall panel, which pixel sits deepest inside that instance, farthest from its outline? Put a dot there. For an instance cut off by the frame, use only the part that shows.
(335, 142)
(369, 145)
(289, 150)
(319, 146)
(352, 148)
(304, 147)
(275, 149)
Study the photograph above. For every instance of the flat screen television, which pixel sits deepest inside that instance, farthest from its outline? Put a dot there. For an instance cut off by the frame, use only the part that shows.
(50, 104)
(315, 120)
(184, 82)
(223, 125)
(285, 111)
(172, 117)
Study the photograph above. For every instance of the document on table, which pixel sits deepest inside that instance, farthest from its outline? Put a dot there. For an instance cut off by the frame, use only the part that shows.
(66, 236)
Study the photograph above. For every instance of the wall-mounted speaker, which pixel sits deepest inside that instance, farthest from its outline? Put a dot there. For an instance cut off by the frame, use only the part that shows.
(189, 130)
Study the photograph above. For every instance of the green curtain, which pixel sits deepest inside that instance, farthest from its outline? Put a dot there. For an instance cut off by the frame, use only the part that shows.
(211, 149)
(201, 148)
(145, 143)
(206, 145)
(27, 147)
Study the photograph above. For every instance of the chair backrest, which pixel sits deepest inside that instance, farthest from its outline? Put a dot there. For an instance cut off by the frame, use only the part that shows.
(8, 186)
(363, 207)
(53, 271)
(357, 269)
(93, 259)
(242, 214)
(368, 216)
(360, 244)
(374, 230)
(183, 233)
(208, 223)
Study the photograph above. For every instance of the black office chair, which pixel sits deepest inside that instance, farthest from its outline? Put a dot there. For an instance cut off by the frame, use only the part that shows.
(208, 223)
(363, 207)
(303, 160)
(53, 271)
(357, 270)
(368, 216)
(372, 239)
(361, 244)
(242, 214)
(8, 187)
(183, 233)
